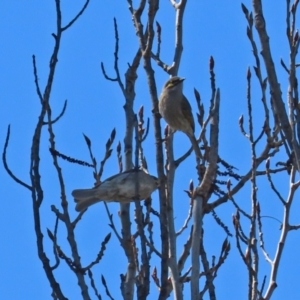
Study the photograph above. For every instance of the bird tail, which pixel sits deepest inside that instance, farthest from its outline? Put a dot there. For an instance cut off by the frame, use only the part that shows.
(85, 198)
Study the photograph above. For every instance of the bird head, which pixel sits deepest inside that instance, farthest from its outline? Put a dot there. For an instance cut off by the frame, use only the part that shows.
(174, 83)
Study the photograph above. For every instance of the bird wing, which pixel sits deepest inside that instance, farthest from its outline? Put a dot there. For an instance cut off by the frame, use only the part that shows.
(187, 112)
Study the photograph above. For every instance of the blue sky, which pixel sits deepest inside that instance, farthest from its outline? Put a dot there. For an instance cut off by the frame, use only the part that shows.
(95, 107)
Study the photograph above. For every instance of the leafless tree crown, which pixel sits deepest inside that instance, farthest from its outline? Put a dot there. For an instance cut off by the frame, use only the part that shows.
(150, 236)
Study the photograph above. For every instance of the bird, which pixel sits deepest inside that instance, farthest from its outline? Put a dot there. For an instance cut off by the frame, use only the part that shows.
(134, 184)
(176, 110)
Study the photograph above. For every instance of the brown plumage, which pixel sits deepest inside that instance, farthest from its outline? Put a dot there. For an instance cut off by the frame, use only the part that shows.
(176, 110)
(128, 186)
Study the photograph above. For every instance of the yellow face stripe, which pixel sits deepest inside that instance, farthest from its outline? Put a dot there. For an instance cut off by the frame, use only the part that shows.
(173, 82)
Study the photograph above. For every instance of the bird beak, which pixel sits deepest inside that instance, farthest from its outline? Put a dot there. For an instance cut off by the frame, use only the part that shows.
(182, 79)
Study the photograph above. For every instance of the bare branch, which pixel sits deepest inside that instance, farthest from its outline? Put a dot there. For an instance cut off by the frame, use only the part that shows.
(112, 225)
(90, 274)
(201, 195)
(272, 76)
(188, 218)
(106, 287)
(76, 17)
(99, 255)
(36, 79)
(6, 167)
(60, 115)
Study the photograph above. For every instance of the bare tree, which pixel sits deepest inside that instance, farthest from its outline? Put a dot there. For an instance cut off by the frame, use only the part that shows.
(151, 234)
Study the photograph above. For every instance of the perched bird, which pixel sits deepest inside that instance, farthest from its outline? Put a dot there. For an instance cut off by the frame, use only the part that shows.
(176, 110)
(135, 184)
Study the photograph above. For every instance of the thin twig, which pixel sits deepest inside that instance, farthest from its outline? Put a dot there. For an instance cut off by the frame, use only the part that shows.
(10, 173)
(76, 17)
